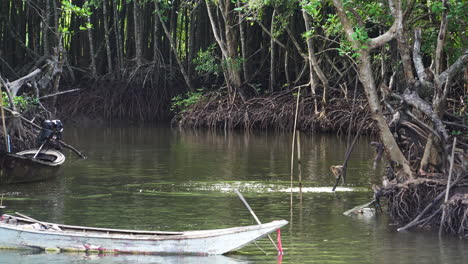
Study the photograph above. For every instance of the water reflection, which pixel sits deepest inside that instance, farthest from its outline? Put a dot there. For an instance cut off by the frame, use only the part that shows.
(26, 257)
(165, 179)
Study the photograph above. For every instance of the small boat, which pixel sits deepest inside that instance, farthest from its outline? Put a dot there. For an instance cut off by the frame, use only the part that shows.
(25, 167)
(27, 233)
(34, 164)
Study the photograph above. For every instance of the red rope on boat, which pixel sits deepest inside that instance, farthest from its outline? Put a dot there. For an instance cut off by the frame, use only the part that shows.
(280, 245)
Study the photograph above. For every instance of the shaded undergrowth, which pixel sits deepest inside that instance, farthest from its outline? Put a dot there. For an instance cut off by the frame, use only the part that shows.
(274, 111)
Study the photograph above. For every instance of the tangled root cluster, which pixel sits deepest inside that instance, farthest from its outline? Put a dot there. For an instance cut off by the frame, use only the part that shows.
(407, 201)
(275, 111)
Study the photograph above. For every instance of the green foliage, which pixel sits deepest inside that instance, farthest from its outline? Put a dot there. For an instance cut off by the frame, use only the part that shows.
(22, 102)
(361, 36)
(70, 9)
(437, 7)
(181, 103)
(68, 6)
(285, 9)
(313, 8)
(332, 25)
(235, 63)
(428, 18)
(206, 61)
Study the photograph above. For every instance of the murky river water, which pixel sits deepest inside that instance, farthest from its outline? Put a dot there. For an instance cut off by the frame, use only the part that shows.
(166, 179)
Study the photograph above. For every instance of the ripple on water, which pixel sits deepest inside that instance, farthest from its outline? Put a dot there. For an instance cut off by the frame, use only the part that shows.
(251, 187)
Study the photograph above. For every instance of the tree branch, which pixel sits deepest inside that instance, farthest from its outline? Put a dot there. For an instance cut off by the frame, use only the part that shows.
(413, 99)
(417, 59)
(16, 85)
(455, 68)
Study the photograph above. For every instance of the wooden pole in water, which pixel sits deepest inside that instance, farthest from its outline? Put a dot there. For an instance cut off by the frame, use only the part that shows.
(5, 135)
(294, 135)
(254, 215)
(292, 150)
(299, 161)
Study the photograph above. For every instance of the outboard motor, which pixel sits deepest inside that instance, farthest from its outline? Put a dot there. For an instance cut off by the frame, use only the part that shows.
(51, 130)
(51, 133)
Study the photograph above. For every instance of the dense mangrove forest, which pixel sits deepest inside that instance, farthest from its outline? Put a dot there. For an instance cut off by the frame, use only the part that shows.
(395, 69)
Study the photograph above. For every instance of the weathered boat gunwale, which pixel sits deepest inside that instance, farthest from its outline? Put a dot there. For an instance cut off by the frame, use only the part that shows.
(132, 234)
(60, 158)
(21, 167)
(78, 238)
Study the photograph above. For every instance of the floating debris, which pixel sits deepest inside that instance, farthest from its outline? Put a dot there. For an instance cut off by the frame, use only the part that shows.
(321, 189)
(230, 186)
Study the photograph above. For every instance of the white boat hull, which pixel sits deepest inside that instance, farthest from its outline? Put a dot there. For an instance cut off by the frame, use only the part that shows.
(206, 242)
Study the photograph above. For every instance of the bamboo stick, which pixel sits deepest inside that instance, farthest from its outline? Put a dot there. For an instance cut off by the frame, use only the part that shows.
(299, 160)
(45, 225)
(254, 216)
(3, 120)
(294, 137)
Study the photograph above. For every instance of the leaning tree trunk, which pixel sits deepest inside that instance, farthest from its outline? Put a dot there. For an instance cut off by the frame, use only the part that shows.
(174, 50)
(367, 80)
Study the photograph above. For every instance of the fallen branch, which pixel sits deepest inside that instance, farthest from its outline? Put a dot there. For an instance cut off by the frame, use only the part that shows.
(357, 208)
(59, 93)
(73, 149)
(16, 85)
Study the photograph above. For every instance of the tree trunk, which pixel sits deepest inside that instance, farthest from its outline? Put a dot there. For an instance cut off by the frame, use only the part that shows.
(232, 45)
(118, 40)
(228, 46)
(174, 50)
(272, 54)
(91, 49)
(310, 48)
(243, 44)
(45, 34)
(137, 28)
(314, 66)
(193, 25)
(106, 37)
(367, 80)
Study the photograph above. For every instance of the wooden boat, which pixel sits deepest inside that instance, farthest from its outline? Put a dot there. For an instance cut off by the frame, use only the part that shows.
(23, 167)
(19, 232)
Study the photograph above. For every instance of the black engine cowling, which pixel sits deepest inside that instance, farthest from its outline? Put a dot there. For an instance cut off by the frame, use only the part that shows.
(51, 132)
